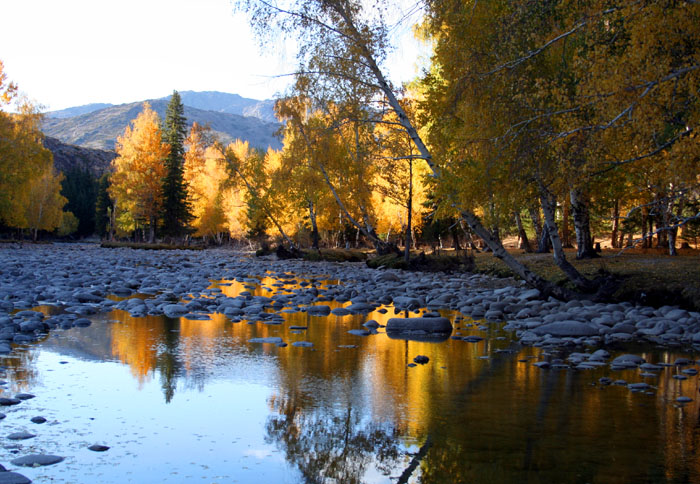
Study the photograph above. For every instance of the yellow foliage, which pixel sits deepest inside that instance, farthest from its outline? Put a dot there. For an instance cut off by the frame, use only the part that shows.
(22, 155)
(136, 184)
(216, 205)
(43, 202)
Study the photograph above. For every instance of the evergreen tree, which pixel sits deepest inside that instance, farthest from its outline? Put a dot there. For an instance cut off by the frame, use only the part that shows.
(80, 188)
(176, 212)
(103, 206)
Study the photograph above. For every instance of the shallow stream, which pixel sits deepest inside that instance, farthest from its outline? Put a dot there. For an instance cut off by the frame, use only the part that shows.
(180, 400)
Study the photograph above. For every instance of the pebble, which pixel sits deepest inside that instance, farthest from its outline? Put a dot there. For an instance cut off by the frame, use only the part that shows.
(98, 448)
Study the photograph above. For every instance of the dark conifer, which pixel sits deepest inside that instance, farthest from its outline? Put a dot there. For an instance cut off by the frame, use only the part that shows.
(176, 209)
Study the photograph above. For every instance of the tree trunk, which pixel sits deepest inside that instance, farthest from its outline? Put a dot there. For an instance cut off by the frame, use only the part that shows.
(254, 193)
(523, 243)
(380, 246)
(536, 221)
(544, 286)
(672, 233)
(645, 220)
(582, 224)
(544, 244)
(409, 209)
(615, 226)
(548, 208)
(151, 230)
(455, 238)
(565, 232)
(314, 226)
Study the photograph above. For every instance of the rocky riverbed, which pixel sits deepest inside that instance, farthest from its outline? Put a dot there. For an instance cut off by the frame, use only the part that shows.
(83, 280)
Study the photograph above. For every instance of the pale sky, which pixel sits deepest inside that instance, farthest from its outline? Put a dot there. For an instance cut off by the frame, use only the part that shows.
(65, 53)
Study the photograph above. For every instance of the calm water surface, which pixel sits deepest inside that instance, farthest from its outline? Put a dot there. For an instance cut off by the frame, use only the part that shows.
(193, 401)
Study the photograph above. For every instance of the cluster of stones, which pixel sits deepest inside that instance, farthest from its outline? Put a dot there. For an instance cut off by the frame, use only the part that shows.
(80, 278)
(682, 369)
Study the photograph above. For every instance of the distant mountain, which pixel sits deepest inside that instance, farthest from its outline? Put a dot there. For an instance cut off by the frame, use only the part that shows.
(100, 129)
(78, 110)
(67, 156)
(229, 103)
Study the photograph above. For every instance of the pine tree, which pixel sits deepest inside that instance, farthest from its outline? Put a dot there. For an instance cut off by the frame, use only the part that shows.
(176, 213)
(103, 207)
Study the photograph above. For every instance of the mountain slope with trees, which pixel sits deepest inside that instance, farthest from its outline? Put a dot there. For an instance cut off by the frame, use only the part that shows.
(100, 129)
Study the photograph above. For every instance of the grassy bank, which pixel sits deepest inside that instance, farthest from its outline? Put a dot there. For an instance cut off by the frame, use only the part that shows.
(646, 276)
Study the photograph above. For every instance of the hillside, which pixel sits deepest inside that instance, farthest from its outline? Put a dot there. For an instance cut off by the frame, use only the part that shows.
(78, 110)
(67, 156)
(100, 129)
(229, 103)
(221, 102)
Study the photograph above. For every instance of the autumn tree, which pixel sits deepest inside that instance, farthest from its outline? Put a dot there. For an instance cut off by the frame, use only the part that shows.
(215, 202)
(176, 212)
(23, 157)
(43, 202)
(138, 171)
(344, 42)
(247, 169)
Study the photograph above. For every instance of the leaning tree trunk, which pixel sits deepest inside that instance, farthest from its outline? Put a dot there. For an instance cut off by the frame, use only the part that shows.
(582, 223)
(548, 208)
(524, 243)
(545, 286)
(254, 193)
(380, 246)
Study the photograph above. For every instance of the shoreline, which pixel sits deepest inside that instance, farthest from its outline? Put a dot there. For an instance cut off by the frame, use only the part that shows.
(79, 277)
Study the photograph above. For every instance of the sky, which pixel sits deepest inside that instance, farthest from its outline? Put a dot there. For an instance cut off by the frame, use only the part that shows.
(65, 53)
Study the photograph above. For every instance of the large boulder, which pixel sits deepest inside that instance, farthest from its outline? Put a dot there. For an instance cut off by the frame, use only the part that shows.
(419, 325)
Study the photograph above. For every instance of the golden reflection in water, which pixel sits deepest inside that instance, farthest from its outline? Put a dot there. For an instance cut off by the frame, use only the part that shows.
(135, 342)
(491, 420)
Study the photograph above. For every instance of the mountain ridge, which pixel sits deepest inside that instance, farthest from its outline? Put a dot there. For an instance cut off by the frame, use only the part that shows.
(216, 101)
(100, 128)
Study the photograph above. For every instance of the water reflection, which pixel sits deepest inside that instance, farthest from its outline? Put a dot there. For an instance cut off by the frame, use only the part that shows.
(350, 409)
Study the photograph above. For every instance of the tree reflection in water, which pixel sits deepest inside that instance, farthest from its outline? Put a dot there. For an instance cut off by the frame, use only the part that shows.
(328, 443)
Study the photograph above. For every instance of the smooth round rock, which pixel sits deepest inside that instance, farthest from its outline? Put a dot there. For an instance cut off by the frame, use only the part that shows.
(6, 402)
(37, 460)
(82, 322)
(422, 325)
(13, 478)
(38, 420)
(24, 396)
(98, 448)
(303, 344)
(21, 436)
